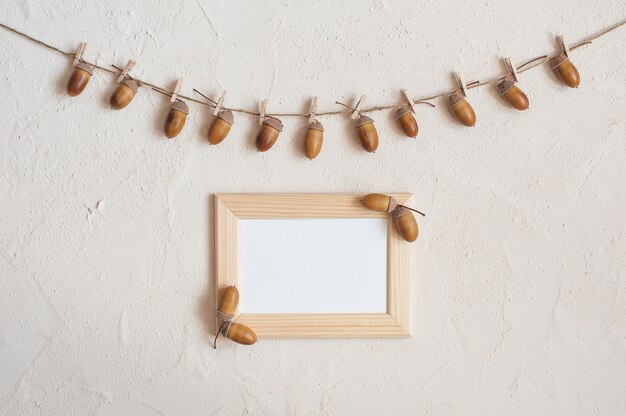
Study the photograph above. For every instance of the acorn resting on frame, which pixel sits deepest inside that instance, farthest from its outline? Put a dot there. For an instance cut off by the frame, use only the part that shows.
(220, 127)
(124, 94)
(268, 134)
(461, 109)
(405, 116)
(403, 218)
(314, 139)
(566, 70)
(367, 133)
(80, 78)
(234, 331)
(176, 119)
(511, 93)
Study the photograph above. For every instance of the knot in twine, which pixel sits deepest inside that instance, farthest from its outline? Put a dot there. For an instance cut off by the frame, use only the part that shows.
(226, 320)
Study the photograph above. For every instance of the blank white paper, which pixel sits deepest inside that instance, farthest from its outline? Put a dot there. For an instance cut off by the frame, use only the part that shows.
(313, 265)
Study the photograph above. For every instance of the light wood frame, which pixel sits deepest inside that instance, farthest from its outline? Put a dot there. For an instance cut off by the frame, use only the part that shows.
(229, 208)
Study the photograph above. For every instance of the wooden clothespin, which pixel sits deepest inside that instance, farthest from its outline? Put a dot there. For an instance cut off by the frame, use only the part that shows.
(563, 44)
(459, 80)
(409, 100)
(220, 102)
(357, 108)
(176, 90)
(511, 68)
(262, 107)
(313, 110)
(127, 68)
(79, 53)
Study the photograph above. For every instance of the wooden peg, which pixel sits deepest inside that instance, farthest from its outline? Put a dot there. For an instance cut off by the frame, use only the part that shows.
(563, 44)
(313, 110)
(511, 68)
(127, 68)
(262, 107)
(219, 104)
(459, 80)
(409, 100)
(355, 113)
(176, 90)
(79, 53)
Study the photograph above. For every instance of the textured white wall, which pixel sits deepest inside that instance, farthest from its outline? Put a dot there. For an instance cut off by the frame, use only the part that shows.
(518, 296)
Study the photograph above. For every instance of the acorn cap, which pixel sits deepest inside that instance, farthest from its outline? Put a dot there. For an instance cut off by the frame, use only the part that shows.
(393, 204)
(316, 125)
(180, 106)
(274, 123)
(405, 109)
(558, 60)
(455, 98)
(85, 67)
(363, 120)
(132, 84)
(506, 84)
(227, 116)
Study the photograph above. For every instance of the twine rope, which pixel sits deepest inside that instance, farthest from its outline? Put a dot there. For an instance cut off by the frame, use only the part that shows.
(529, 64)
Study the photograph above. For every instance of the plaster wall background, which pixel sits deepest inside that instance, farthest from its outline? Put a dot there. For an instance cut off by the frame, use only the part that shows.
(518, 289)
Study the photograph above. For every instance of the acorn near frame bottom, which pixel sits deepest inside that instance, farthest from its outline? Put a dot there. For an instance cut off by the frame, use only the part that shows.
(234, 331)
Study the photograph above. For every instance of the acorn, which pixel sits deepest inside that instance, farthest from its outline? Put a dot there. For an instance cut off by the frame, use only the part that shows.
(566, 70)
(79, 79)
(380, 202)
(313, 139)
(367, 133)
(176, 119)
(228, 305)
(461, 109)
(124, 94)
(220, 126)
(405, 223)
(239, 333)
(404, 114)
(268, 134)
(512, 93)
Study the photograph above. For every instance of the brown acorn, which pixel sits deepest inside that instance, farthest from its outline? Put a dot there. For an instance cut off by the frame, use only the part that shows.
(268, 134)
(239, 333)
(176, 119)
(407, 121)
(124, 94)
(79, 79)
(367, 133)
(566, 71)
(512, 93)
(380, 202)
(220, 126)
(313, 139)
(228, 304)
(405, 223)
(461, 109)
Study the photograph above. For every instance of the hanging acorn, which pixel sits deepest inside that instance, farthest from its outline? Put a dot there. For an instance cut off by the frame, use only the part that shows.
(234, 331)
(220, 127)
(404, 115)
(124, 94)
(512, 93)
(566, 71)
(367, 133)
(314, 139)
(461, 109)
(403, 218)
(268, 133)
(80, 78)
(176, 119)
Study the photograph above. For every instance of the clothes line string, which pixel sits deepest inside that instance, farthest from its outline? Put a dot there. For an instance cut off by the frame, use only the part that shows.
(529, 64)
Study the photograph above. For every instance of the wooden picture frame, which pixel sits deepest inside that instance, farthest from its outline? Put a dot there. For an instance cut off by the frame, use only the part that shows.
(230, 208)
